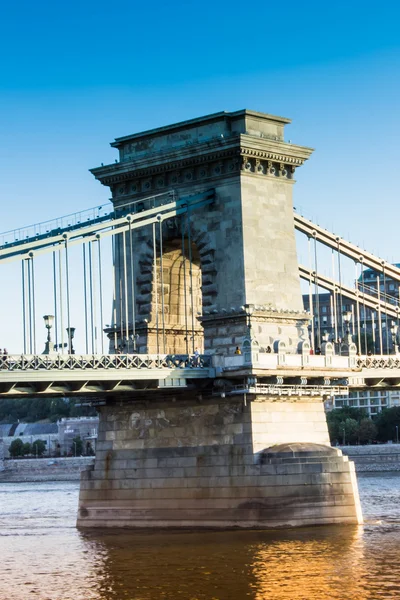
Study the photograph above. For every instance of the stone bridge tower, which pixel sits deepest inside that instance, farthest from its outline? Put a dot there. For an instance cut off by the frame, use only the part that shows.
(240, 448)
(242, 247)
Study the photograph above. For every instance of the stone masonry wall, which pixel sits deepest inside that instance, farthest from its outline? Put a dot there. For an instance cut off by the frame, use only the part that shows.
(44, 469)
(192, 464)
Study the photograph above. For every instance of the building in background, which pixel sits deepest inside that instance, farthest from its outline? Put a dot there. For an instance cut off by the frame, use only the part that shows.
(373, 401)
(59, 437)
(335, 317)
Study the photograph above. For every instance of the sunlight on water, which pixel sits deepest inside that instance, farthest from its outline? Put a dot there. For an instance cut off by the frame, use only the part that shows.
(44, 557)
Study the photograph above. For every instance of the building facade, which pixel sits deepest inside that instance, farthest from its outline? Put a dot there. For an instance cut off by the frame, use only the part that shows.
(335, 317)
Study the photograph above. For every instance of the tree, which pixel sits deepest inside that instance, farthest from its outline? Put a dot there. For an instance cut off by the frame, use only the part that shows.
(77, 446)
(348, 430)
(26, 449)
(15, 448)
(336, 419)
(387, 421)
(89, 449)
(38, 448)
(367, 431)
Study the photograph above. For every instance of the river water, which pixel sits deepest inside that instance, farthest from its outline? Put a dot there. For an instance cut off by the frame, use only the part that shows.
(44, 557)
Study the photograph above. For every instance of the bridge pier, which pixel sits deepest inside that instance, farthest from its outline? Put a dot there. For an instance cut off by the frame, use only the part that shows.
(233, 462)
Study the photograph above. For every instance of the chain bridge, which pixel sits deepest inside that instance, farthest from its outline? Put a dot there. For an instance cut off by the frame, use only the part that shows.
(177, 310)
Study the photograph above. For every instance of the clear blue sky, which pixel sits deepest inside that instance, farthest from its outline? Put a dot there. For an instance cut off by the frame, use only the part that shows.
(73, 76)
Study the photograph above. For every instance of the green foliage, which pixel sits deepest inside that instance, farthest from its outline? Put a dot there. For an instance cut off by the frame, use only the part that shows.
(38, 448)
(77, 446)
(347, 425)
(367, 431)
(31, 410)
(349, 431)
(26, 449)
(16, 448)
(386, 422)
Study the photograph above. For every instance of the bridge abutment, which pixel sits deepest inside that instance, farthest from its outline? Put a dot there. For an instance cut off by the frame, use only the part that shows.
(246, 462)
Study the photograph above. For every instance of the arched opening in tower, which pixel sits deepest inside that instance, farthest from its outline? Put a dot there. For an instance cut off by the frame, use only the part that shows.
(177, 300)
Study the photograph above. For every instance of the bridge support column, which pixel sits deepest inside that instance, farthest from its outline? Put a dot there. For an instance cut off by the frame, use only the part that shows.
(252, 462)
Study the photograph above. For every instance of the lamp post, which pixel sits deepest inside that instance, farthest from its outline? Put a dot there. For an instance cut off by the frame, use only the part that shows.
(70, 333)
(248, 309)
(48, 322)
(393, 330)
(347, 320)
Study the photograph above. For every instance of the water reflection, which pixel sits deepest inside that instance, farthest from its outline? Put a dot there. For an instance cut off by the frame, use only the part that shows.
(323, 563)
(43, 556)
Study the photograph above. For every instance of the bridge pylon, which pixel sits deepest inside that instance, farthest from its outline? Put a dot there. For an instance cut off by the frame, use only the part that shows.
(221, 277)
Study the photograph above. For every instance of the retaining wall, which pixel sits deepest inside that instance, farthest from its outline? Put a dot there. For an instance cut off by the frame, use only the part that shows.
(44, 469)
(374, 458)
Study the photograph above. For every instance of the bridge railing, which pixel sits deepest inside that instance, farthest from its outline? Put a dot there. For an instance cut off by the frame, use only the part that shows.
(71, 362)
(379, 362)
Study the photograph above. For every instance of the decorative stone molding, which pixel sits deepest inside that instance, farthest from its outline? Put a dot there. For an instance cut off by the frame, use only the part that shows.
(127, 179)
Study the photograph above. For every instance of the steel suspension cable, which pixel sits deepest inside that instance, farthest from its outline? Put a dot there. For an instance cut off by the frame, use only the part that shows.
(56, 324)
(33, 305)
(125, 291)
(68, 296)
(120, 294)
(184, 283)
(113, 246)
(91, 294)
(162, 282)
(334, 307)
(310, 297)
(364, 307)
(340, 290)
(94, 305)
(100, 293)
(386, 315)
(155, 286)
(23, 303)
(191, 276)
(358, 309)
(85, 298)
(379, 315)
(30, 306)
(60, 281)
(316, 292)
(133, 299)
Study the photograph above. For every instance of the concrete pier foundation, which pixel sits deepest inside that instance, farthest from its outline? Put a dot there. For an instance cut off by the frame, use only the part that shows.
(236, 462)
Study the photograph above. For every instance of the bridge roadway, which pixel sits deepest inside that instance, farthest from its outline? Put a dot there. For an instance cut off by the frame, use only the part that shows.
(281, 374)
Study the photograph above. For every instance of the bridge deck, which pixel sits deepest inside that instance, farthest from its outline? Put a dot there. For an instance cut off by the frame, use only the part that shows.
(87, 374)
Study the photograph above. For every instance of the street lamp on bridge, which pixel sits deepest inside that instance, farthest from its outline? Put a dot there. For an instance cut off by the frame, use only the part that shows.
(48, 322)
(347, 320)
(393, 330)
(70, 333)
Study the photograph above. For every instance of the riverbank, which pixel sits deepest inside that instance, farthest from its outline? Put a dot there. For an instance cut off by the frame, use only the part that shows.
(374, 458)
(42, 469)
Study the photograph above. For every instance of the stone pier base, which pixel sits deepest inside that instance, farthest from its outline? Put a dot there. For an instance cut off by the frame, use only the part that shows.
(220, 463)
